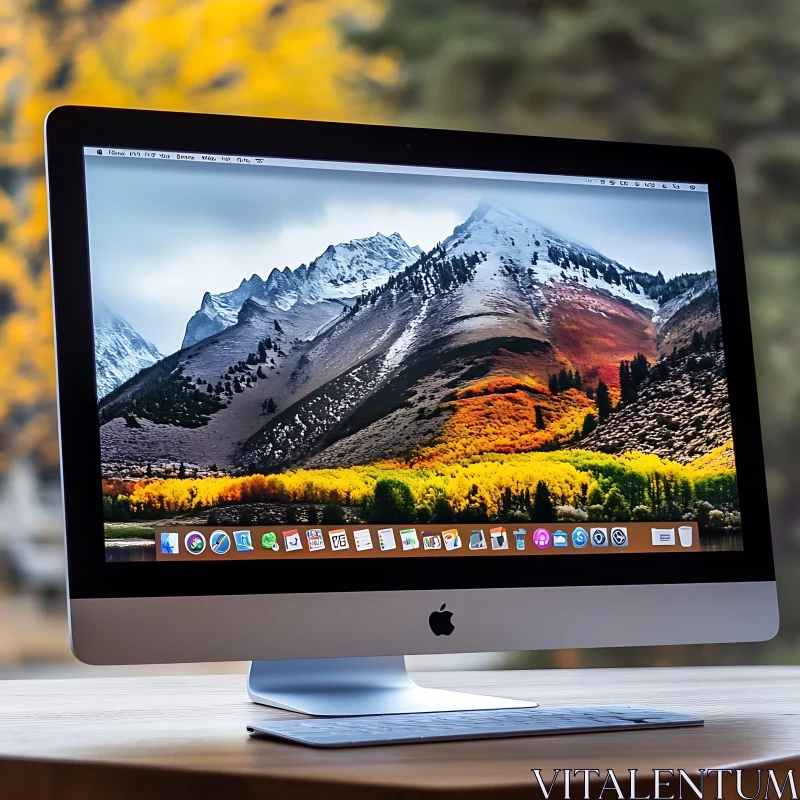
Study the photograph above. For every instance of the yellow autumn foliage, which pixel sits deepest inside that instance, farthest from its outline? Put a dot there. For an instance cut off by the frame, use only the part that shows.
(478, 481)
(719, 457)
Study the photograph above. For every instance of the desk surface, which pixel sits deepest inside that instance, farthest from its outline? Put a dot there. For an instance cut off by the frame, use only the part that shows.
(181, 737)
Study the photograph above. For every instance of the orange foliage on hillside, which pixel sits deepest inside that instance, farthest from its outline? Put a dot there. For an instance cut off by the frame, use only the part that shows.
(498, 415)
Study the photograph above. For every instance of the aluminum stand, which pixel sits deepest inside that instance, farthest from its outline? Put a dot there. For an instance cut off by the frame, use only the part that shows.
(351, 687)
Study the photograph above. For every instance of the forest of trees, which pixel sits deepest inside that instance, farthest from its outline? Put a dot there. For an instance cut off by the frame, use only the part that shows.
(571, 485)
(565, 379)
(175, 401)
(432, 272)
(189, 403)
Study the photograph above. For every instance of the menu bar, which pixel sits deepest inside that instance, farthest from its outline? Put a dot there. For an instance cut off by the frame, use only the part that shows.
(609, 182)
(208, 543)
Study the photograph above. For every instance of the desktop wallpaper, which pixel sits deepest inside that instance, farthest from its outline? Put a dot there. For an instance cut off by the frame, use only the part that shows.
(289, 346)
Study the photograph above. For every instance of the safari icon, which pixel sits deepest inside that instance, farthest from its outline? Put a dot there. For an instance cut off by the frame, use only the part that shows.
(580, 538)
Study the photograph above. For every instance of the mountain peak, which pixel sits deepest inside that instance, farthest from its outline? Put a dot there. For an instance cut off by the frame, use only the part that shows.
(120, 350)
(342, 272)
(545, 257)
(478, 214)
(251, 309)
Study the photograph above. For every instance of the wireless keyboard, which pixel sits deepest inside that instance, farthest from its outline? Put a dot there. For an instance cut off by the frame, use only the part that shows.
(457, 725)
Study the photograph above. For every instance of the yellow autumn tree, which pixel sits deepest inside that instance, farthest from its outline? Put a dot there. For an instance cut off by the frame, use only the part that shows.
(257, 57)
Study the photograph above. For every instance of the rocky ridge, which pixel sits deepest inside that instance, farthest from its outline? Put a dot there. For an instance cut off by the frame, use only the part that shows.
(681, 410)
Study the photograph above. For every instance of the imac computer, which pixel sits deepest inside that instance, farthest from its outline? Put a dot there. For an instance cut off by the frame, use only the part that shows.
(332, 394)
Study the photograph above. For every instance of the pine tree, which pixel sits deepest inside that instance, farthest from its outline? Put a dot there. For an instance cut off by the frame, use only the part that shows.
(578, 380)
(540, 423)
(543, 508)
(697, 341)
(182, 471)
(589, 424)
(603, 401)
(626, 388)
(278, 327)
(563, 380)
(149, 471)
(640, 367)
(553, 384)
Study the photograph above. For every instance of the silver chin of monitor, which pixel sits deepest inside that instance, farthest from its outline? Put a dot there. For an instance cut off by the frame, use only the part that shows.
(347, 636)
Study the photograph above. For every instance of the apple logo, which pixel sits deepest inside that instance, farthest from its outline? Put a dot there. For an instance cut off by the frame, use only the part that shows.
(441, 621)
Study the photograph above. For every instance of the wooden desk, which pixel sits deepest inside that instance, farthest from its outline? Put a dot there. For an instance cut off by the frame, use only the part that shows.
(184, 737)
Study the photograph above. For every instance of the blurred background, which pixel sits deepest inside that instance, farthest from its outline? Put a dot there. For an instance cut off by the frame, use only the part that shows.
(717, 73)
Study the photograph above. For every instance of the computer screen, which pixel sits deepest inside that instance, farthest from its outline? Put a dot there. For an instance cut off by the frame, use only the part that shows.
(302, 359)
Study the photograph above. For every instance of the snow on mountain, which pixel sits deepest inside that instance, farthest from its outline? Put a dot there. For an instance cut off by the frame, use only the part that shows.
(342, 272)
(524, 245)
(120, 352)
(345, 270)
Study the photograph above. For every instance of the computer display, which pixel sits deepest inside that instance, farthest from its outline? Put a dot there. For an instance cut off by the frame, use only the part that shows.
(323, 360)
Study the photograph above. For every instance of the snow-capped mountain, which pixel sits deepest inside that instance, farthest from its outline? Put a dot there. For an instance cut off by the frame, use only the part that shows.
(345, 270)
(342, 272)
(120, 352)
(527, 247)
